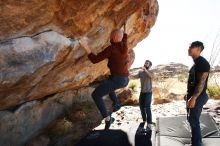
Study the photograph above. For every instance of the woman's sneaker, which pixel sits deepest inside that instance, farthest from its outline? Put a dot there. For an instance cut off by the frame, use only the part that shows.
(108, 123)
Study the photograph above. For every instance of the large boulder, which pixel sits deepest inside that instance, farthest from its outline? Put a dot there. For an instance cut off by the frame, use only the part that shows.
(39, 50)
(42, 66)
(19, 125)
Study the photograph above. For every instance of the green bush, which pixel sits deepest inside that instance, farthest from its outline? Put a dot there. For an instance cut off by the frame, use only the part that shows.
(213, 91)
(133, 85)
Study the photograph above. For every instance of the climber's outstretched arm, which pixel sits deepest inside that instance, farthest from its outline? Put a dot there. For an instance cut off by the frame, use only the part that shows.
(95, 58)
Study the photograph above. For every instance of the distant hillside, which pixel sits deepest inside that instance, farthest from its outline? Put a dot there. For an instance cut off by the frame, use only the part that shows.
(167, 70)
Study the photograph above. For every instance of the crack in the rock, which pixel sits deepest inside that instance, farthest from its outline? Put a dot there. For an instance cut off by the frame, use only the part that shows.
(25, 100)
(30, 36)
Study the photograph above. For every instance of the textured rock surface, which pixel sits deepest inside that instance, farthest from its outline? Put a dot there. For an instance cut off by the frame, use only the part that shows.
(43, 70)
(39, 50)
(29, 120)
(128, 97)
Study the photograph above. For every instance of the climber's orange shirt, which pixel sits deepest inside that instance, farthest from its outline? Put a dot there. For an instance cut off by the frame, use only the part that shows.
(117, 54)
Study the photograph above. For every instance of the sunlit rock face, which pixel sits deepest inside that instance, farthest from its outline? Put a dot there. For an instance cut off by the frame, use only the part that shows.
(39, 50)
(40, 56)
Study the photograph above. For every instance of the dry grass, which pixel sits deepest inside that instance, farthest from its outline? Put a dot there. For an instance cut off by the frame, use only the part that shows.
(213, 89)
(182, 77)
(213, 92)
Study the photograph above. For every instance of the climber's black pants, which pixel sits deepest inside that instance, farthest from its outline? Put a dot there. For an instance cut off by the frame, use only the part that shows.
(108, 86)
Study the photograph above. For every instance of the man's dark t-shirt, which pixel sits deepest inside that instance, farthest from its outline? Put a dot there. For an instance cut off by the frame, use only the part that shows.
(200, 65)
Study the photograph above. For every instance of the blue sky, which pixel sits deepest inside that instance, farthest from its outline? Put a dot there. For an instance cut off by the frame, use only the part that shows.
(178, 24)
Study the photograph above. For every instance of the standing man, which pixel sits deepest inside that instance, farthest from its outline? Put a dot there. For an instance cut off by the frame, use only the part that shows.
(145, 98)
(196, 90)
(117, 55)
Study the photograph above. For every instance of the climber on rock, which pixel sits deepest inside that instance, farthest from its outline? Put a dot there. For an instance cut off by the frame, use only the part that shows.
(117, 55)
(146, 76)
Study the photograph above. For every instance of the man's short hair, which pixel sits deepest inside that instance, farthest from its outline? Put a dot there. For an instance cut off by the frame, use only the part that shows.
(197, 44)
(149, 62)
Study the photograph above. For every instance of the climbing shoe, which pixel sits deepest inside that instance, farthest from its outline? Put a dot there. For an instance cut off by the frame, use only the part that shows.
(108, 123)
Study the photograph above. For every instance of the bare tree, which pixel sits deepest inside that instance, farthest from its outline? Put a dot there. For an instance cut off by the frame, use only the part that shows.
(215, 51)
(214, 61)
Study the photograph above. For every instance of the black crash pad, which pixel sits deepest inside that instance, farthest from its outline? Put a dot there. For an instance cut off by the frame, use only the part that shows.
(172, 141)
(105, 138)
(175, 131)
(133, 135)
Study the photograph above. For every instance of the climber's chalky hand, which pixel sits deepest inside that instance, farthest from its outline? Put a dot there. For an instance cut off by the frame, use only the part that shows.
(84, 43)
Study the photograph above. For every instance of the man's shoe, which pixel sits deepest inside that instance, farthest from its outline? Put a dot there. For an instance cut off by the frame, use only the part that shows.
(108, 123)
(116, 107)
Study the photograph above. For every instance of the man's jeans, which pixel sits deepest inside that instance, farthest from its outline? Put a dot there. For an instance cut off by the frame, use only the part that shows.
(108, 87)
(145, 106)
(194, 116)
